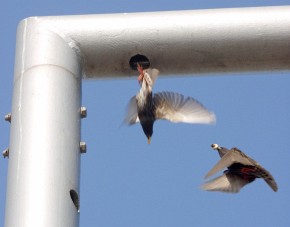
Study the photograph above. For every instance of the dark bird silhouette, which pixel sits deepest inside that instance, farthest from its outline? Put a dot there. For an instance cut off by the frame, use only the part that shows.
(241, 170)
(147, 107)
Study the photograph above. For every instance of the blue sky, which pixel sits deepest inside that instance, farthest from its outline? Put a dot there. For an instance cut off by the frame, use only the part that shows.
(125, 181)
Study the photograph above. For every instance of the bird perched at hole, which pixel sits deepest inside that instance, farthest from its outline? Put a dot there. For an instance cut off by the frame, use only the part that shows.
(147, 107)
(241, 170)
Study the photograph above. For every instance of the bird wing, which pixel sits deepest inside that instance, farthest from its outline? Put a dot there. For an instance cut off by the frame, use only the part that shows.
(178, 108)
(269, 179)
(232, 156)
(150, 75)
(262, 172)
(228, 182)
(131, 116)
(271, 182)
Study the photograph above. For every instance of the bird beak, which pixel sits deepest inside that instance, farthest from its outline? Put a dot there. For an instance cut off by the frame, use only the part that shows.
(149, 138)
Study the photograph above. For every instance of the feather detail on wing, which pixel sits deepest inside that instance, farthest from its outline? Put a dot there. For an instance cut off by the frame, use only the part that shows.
(269, 179)
(263, 173)
(231, 157)
(228, 182)
(131, 116)
(271, 182)
(178, 108)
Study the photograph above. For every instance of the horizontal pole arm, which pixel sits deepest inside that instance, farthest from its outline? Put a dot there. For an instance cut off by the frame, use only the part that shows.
(179, 42)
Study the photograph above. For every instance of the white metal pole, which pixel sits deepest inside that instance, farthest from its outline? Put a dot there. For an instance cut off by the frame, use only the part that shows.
(44, 154)
(52, 55)
(181, 42)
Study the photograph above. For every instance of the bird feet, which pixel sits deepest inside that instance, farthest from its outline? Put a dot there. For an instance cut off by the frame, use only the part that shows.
(140, 70)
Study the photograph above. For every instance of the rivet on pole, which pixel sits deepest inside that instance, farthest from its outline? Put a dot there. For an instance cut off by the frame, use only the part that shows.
(6, 153)
(8, 117)
(83, 147)
(83, 112)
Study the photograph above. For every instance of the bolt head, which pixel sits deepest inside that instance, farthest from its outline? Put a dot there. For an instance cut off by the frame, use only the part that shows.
(6, 153)
(83, 112)
(83, 147)
(8, 117)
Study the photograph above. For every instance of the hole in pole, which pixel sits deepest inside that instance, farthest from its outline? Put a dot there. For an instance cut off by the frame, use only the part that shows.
(139, 59)
(75, 199)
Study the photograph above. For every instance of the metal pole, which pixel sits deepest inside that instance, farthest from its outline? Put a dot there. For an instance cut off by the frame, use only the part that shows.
(182, 42)
(44, 155)
(52, 55)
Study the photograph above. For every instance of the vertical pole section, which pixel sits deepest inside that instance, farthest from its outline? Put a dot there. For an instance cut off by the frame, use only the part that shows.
(44, 160)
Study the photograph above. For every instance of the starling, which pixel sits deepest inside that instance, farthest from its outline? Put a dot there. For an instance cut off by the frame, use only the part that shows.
(146, 107)
(241, 170)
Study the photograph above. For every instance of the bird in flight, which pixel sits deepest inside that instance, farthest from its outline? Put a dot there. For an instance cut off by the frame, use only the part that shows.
(241, 170)
(147, 107)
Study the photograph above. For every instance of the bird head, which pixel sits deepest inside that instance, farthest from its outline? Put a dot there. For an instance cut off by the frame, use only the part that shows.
(222, 151)
(215, 146)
